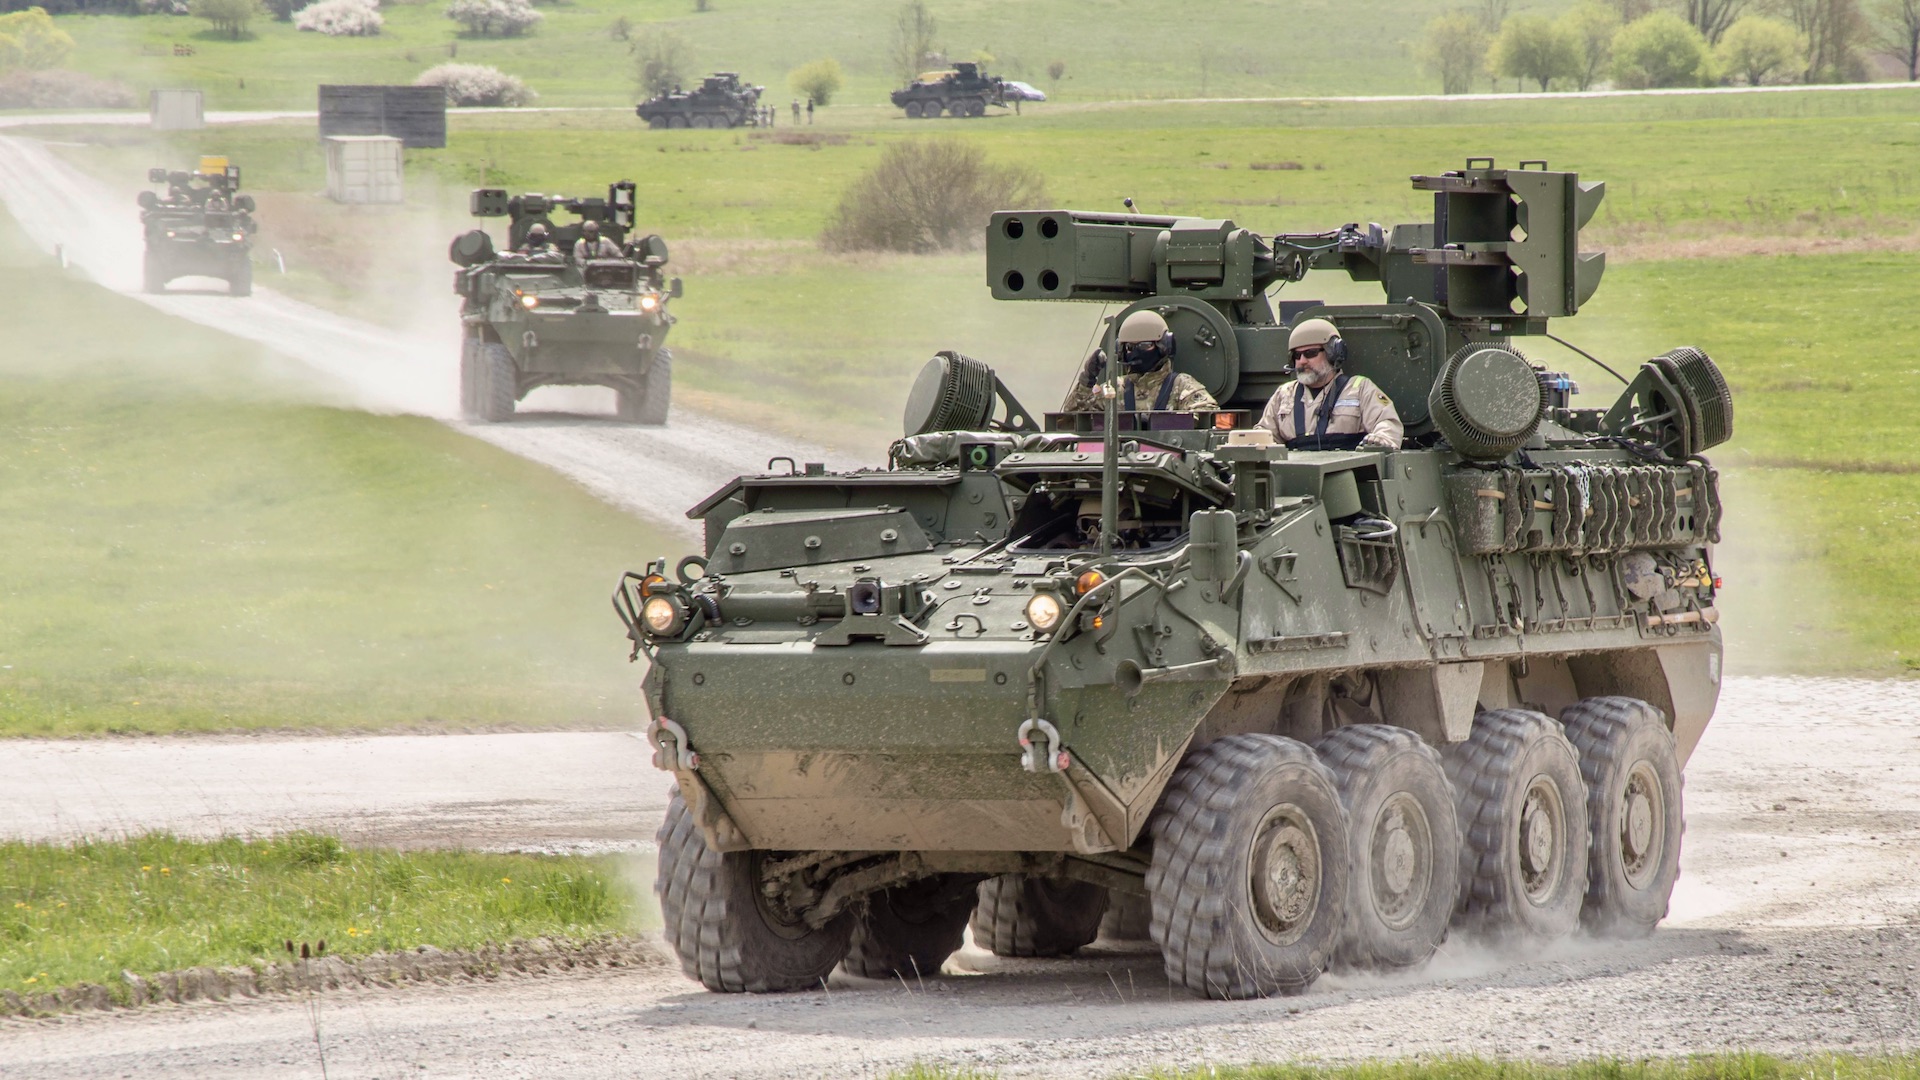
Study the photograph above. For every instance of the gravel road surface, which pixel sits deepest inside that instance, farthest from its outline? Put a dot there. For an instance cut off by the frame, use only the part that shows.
(652, 472)
(1796, 927)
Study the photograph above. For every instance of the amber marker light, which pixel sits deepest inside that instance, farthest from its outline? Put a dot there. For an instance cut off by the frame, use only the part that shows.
(650, 583)
(1088, 582)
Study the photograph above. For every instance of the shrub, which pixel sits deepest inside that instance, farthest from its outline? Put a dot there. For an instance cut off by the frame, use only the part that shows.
(1056, 69)
(1756, 47)
(341, 18)
(1454, 46)
(819, 80)
(283, 10)
(927, 195)
(229, 17)
(30, 42)
(1532, 47)
(476, 84)
(163, 7)
(661, 61)
(1590, 25)
(1661, 49)
(494, 18)
(62, 89)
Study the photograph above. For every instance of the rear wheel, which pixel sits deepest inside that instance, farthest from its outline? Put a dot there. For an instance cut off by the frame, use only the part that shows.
(1021, 915)
(1128, 918)
(728, 935)
(1522, 807)
(1249, 872)
(650, 402)
(910, 931)
(1632, 770)
(497, 387)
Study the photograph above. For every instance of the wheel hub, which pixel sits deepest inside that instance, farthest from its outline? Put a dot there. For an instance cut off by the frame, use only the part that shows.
(1285, 873)
(1540, 821)
(1642, 825)
(1401, 853)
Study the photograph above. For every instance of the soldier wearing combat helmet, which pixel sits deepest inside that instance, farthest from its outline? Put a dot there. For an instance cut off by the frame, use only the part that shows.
(1324, 408)
(1147, 379)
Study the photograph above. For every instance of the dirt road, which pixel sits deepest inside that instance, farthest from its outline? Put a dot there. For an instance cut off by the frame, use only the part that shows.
(653, 472)
(1796, 926)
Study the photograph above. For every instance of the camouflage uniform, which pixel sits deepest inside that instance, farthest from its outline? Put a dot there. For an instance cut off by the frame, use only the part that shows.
(1362, 409)
(1187, 396)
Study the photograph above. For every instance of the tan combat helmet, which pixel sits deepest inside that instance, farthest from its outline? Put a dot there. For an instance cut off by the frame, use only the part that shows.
(1143, 326)
(1312, 332)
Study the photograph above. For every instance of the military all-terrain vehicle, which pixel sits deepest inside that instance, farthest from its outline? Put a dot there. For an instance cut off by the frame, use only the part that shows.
(1310, 707)
(203, 227)
(544, 318)
(964, 90)
(720, 101)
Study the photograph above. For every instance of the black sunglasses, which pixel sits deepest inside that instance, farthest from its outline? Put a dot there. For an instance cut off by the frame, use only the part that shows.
(1308, 352)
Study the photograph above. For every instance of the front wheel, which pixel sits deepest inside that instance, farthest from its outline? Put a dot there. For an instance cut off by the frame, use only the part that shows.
(914, 111)
(1249, 872)
(649, 402)
(1632, 770)
(729, 937)
(497, 389)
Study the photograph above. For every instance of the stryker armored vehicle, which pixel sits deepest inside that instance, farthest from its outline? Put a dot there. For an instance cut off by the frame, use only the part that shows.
(203, 227)
(544, 318)
(720, 101)
(964, 90)
(1312, 707)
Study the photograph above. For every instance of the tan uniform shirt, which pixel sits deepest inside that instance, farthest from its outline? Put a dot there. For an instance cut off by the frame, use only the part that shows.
(1361, 408)
(1187, 396)
(601, 248)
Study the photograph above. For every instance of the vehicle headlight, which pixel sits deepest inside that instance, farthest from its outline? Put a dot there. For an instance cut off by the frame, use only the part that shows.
(649, 302)
(529, 301)
(239, 236)
(1044, 611)
(664, 617)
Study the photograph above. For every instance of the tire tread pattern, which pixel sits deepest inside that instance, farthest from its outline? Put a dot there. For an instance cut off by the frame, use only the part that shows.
(1483, 773)
(1598, 727)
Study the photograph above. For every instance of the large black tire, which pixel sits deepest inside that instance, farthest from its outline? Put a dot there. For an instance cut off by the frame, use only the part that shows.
(1405, 844)
(676, 121)
(1128, 918)
(153, 278)
(1019, 915)
(909, 931)
(497, 389)
(1522, 807)
(469, 378)
(1249, 872)
(727, 936)
(977, 107)
(241, 283)
(651, 402)
(656, 122)
(1634, 811)
(914, 111)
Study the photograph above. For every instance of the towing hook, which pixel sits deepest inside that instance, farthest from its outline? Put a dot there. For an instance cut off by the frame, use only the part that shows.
(670, 749)
(1036, 757)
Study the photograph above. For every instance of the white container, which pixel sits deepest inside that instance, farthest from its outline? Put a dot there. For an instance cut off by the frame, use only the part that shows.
(176, 110)
(364, 169)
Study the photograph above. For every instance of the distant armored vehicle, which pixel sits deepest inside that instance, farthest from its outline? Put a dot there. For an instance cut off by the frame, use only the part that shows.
(964, 90)
(538, 315)
(720, 101)
(1313, 706)
(202, 227)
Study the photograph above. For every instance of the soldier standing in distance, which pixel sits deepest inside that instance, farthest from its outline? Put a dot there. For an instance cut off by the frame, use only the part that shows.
(809, 110)
(1148, 381)
(1324, 408)
(796, 110)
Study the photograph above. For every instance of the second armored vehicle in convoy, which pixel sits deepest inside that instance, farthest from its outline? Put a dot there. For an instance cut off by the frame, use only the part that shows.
(1309, 707)
(720, 101)
(202, 227)
(964, 91)
(536, 315)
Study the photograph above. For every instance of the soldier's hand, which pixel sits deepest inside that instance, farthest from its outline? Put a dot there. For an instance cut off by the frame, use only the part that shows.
(1094, 368)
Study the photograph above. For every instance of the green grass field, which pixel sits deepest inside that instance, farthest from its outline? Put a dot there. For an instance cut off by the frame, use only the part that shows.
(1236, 48)
(190, 546)
(87, 912)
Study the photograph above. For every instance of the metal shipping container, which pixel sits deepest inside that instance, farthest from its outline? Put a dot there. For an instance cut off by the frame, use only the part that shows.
(364, 169)
(417, 115)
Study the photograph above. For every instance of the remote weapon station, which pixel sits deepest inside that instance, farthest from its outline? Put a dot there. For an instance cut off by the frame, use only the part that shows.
(1301, 708)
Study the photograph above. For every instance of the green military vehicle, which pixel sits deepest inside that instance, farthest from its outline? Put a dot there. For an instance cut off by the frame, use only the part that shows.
(963, 91)
(532, 318)
(202, 227)
(1311, 707)
(720, 101)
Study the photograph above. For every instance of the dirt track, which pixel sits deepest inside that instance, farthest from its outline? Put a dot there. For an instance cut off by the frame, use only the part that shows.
(1796, 926)
(653, 472)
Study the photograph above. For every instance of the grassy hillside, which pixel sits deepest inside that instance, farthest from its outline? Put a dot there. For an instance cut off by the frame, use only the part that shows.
(1111, 48)
(190, 546)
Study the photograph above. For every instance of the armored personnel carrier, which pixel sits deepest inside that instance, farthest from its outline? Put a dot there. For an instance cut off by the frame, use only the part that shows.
(720, 101)
(964, 90)
(1309, 707)
(202, 227)
(537, 316)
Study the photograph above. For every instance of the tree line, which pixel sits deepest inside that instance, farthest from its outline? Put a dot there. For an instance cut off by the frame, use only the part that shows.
(1640, 44)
